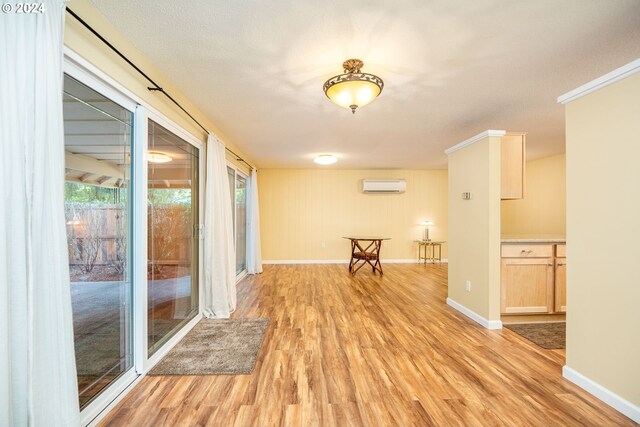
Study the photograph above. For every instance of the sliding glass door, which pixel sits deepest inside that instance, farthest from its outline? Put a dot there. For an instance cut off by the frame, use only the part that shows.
(238, 192)
(98, 139)
(172, 243)
(241, 223)
(114, 286)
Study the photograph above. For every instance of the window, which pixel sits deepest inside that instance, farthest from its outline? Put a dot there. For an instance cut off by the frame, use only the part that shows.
(238, 191)
(241, 223)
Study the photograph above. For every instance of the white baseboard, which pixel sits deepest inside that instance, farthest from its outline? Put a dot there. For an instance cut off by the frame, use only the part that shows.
(342, 261)
(607, 396)
(305, 261)
(489, 324)
(412, 261)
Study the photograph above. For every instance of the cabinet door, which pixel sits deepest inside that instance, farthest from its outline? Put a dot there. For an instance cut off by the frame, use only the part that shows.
(561, 285)
(526, 286)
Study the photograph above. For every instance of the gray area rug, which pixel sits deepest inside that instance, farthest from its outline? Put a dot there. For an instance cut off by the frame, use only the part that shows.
(550, 336)
(215, 347)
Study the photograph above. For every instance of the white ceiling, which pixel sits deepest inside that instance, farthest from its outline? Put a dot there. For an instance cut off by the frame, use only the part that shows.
(451, 68)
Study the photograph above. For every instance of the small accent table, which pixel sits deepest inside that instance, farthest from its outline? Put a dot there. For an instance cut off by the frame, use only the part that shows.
(426, 244)
(367, 254)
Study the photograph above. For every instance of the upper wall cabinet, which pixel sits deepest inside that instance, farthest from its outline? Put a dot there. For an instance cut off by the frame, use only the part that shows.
(512, 159)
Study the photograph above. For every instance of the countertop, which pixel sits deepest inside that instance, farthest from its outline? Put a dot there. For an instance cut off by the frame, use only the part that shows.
(533, 239)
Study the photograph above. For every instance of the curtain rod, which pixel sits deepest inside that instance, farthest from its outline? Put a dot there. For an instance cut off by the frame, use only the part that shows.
(155, 87)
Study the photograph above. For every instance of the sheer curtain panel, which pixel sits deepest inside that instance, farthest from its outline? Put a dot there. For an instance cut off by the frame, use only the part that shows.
(37, 360)
(254, 255)
(219, 251)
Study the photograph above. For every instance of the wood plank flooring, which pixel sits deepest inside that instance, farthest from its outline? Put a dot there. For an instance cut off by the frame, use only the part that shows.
(370, 351)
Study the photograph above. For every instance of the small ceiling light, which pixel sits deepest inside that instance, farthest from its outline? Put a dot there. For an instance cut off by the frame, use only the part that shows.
(325, 159)
(158, 157)
(353, 89)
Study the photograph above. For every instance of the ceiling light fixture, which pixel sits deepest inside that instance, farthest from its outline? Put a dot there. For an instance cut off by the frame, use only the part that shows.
(158, 157)
(353, 89)
(325, 159)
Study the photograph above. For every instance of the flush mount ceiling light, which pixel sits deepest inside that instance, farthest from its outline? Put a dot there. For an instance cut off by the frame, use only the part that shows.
(353, 89)
(158, 157)
(325, 159)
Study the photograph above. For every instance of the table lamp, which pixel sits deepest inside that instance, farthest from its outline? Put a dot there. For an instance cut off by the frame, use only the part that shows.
(426, 230)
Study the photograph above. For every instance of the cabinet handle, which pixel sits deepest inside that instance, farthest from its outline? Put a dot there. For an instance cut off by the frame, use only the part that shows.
(549, 265)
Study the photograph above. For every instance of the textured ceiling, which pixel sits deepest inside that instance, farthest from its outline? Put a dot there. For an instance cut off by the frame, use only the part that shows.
(452, 68)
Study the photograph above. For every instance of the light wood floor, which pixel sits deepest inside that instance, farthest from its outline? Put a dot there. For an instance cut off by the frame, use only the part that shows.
(370, 351)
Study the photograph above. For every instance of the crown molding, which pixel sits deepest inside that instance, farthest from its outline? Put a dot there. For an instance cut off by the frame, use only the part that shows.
(609, 78)
(478, 137)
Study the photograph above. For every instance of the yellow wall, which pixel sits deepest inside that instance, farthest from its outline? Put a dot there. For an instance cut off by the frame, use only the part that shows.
(603, 232)
(474, 227)
(305, 212)
(84, 43)
(542, 211)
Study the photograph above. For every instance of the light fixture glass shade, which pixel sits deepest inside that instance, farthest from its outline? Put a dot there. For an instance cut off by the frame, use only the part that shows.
(325, 159)
(349, 93)
(353, 89)
(427, 223)
(157, 157)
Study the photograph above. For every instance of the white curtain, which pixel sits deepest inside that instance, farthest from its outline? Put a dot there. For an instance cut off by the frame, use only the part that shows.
(254, 255)
(219, 251)
(37, 360)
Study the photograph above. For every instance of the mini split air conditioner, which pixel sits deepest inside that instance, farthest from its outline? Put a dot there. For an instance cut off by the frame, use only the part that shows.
(384, 185)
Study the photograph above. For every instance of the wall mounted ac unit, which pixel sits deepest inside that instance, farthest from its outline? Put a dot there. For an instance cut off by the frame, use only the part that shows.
(384, 185)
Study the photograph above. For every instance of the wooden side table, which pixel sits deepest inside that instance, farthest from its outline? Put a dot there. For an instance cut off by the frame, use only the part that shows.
(432, 245)
(370, 254)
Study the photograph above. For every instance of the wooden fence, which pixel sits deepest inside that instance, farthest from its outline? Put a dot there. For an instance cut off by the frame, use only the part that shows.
(96, 235)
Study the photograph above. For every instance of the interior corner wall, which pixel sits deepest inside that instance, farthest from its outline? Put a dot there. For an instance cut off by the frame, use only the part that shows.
(304, 213)
(542, 211)
(89, 47)
(603, 232)
(474, 227)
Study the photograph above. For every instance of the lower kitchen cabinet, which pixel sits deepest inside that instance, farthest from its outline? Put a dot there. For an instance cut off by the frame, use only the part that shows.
(533, 279)
(527, 286)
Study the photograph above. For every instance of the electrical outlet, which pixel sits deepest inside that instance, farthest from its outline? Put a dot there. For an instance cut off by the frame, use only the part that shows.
(468, 286)
(323, 245)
